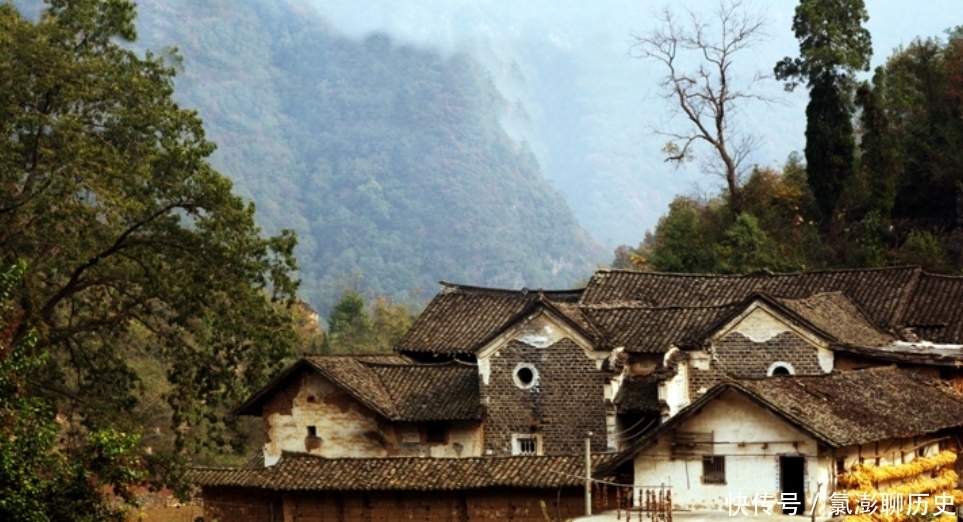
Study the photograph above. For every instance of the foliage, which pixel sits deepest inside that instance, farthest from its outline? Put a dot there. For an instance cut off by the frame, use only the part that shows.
(705, 93)
(923, 249)
(833, 45)
(773, 233)
(684, 238)
(109, 198)
(45, 473)
(352, 328)
(747, 248)
(923, 96)
(879, 159)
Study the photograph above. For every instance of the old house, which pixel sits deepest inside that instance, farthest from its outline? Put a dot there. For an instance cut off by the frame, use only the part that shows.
(784, 444)
(518, 379)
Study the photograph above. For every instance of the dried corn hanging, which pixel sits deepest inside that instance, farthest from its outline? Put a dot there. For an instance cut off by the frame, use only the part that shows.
(862, 476)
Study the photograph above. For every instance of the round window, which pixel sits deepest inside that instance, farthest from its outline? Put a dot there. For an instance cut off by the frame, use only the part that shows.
(525, 376)
(780, 368)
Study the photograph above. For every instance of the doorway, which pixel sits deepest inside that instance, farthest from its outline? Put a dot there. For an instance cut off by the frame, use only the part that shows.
(792, 472)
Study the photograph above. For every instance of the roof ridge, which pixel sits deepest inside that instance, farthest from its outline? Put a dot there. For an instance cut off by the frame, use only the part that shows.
(638, 305)
(449, 287)
(758, 273)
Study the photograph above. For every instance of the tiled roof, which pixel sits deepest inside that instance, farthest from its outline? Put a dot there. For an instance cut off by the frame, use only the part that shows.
(460, 319)
(950, 355)
(880, 292)
(835, 314)
(393, 386)
(431, 392)
(301, 472)
(652, 330)
(935, 313)
(639, 394)
(838, 409)
(856, 407)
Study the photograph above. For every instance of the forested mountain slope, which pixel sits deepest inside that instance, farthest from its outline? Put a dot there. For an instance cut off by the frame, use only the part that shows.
(388, 161)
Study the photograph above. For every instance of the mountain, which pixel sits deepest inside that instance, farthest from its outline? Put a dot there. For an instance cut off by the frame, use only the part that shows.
(389, 161)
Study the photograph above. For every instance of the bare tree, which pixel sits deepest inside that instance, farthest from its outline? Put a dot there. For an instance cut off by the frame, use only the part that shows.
(700, 85)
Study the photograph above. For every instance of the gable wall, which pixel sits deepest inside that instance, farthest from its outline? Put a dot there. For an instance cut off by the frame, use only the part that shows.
(347, 428)
(751, 346)
(567, 401)
(749, 437)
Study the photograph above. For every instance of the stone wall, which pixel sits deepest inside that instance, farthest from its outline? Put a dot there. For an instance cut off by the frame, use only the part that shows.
(565, 401)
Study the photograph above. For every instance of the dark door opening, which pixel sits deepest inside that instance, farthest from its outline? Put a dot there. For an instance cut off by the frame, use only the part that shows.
(792, 480)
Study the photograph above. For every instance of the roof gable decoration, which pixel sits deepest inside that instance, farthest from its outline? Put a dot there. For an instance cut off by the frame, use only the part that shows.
(764, 318)
(761, 319)
(464, 319)
(543, 327)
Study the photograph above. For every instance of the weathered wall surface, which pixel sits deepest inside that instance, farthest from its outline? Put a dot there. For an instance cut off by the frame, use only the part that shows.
(751, 440)
(443, 506)
(344, 427)
(518, 505)
(241, 505)
(566, 401)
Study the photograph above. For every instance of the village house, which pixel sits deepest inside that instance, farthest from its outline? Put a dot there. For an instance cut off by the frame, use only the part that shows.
(786, 445)
(496, 391)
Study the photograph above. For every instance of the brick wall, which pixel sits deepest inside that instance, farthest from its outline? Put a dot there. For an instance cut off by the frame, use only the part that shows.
(567, 402)
(738, 356)
(517, 505)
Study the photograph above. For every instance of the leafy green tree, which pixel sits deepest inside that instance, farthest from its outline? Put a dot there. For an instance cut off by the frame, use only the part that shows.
(833, 45)
(349, 326)
(923, 98)
(685, 238)
(879, 159)
(108, 196)
(353, 328)
(41, 479)
(747, 248)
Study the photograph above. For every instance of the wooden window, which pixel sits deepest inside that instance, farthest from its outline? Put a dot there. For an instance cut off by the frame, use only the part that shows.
(525, 445)
(312, 431)
(713, 469)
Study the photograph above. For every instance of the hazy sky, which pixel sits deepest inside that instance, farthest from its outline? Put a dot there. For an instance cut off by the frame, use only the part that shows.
(600, 33)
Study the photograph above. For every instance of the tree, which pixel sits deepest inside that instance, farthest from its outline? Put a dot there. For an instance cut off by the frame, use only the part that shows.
(879, 159)
(109, 198)
(833, 45)
(702, 86)
(40, 479)
(352, 328)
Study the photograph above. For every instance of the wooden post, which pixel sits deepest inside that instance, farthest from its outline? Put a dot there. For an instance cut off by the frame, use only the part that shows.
(588, 474)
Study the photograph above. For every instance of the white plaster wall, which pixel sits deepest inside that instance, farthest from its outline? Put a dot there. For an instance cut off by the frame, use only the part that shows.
(540, 332)
(751, 439)
(760, 325)
(675, 391)
(347, 429)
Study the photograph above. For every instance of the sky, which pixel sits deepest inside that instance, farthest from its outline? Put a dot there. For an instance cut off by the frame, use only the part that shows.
(631, 187)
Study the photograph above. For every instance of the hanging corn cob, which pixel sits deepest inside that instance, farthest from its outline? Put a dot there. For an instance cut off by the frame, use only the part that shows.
(929, 476)
(862, 475)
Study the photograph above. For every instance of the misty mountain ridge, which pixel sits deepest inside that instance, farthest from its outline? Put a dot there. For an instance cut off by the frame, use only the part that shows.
(389, 161)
